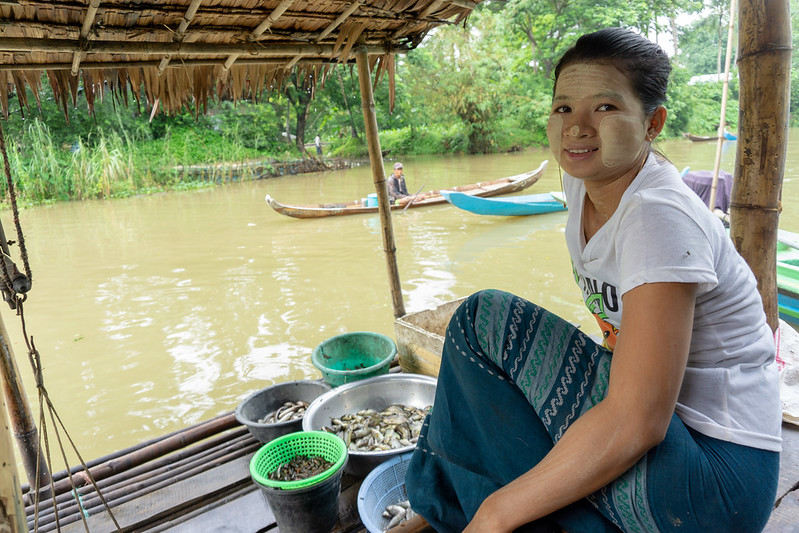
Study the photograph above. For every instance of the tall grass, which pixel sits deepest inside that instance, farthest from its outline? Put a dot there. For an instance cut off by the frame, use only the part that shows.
(111, 164)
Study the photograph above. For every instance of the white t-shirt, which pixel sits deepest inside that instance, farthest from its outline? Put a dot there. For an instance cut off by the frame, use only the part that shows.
(662, 232)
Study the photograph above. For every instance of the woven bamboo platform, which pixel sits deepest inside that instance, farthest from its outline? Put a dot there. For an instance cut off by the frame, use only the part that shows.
(197, 480)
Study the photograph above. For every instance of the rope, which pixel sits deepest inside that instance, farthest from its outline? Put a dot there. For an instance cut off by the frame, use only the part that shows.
(23, 251)
(16, 302)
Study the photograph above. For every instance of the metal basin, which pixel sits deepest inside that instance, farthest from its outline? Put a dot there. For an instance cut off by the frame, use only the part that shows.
(374, 393)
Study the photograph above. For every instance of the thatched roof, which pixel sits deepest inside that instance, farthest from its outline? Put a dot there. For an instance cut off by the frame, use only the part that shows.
(183, 51)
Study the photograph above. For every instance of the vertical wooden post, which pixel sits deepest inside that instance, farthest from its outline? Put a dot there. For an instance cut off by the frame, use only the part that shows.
(764, 62)
(24, 427)
(723, 120)
(379, 176)
(12, 512)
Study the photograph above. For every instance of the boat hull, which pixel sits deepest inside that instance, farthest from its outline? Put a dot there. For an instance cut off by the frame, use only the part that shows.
(482, 189)
(531, 204)
(788, 276)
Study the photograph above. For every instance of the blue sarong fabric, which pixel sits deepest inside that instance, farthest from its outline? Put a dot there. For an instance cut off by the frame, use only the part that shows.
(513, 378)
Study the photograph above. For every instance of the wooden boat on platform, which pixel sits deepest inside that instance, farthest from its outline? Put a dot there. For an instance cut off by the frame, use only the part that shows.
(529, 204)
(483, 189)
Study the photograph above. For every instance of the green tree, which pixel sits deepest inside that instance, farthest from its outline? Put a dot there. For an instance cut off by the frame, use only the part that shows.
(465, 73)
(703, 43)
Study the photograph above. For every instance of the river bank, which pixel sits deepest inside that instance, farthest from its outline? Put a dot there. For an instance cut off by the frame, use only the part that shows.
(262, 168)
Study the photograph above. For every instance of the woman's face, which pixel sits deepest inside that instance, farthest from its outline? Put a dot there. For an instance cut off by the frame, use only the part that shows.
(597, 129)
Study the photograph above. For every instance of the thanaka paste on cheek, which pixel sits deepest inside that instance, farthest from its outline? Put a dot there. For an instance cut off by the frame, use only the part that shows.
(554, 132)
(622, 139)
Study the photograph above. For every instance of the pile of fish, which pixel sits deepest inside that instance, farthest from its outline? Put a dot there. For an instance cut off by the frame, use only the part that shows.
(368, 430)
(284, 413)
(300, 467)
(398, 513)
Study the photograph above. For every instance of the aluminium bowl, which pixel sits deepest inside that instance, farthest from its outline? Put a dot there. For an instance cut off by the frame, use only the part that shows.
(373, 393)
(262, 402)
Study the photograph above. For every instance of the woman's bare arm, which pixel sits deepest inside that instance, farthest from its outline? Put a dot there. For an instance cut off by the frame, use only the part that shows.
(645, 378)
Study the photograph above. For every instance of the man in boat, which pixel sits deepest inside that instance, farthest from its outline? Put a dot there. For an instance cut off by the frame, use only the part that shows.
(396, 184)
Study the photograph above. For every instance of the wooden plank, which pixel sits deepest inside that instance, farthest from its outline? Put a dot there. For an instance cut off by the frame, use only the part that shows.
(168, 501)
(232, 515)
(789, 460)
(785, 518)
(348, 517)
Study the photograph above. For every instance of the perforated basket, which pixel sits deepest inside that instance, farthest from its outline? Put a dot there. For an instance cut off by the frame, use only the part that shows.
(284, 449)
(384, 486)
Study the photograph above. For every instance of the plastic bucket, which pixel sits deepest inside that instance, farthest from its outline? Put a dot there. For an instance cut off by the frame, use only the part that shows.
(371, 200)
(353, 356)
(260, 403)
(313, 509)
(309, 505)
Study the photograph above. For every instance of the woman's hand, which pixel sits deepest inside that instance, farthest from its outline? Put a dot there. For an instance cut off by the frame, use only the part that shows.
(486, 520)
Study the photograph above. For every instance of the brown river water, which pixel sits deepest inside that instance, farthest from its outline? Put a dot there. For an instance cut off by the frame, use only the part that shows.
(155, 312)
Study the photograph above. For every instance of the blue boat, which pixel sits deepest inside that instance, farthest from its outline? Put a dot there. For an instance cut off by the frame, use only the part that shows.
(788, 276)
(530, 204)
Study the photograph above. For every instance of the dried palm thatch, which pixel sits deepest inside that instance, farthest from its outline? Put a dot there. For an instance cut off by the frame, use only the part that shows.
(185, 51)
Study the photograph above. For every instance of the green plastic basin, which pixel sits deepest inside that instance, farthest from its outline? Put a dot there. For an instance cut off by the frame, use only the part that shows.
(353, 356)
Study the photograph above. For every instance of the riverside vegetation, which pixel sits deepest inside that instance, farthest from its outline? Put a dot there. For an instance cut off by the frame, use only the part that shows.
(482, 86)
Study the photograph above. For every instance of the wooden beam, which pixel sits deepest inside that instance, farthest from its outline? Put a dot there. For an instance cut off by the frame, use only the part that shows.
(463, 3)
(262, 27)
(434, 6)
(88, 22)
(764, 66)
(25, 431)
(154, 63)
(270, 19)
(181, 32)
(161, 48)
(12, 512)
(72, 31)
(292, 62)
(379, 177)
(340, 19)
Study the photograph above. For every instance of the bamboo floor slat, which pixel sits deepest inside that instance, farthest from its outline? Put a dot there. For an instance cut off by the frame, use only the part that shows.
(204, 485)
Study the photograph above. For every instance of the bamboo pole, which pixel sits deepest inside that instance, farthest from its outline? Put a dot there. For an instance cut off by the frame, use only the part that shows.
(723, 120)
(24, 427)
(379, 176)
(148, 453)
(21, 44)
(217, 424)
(764, 61)
(12, 514)
(69, 510)
(154, 63)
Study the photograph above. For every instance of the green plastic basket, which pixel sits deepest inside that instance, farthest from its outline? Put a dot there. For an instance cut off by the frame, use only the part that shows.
(284, 449)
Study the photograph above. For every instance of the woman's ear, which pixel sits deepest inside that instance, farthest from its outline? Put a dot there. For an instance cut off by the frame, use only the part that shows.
(656, 123)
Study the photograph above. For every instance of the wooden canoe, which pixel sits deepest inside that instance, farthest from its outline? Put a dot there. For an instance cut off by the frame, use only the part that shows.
(529, 204)
(701, 138)
(482, 189)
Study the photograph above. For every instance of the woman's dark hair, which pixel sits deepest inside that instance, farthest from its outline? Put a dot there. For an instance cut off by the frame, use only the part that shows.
(643, 61)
